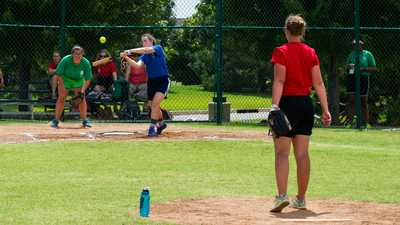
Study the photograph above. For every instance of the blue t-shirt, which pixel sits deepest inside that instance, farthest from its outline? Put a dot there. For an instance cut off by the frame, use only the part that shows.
(155, 63)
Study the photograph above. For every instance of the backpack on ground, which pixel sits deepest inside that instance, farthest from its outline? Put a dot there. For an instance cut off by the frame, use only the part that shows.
(166, 114)
(120, 91)
(132, 110)
(104, 114)
(92, 107)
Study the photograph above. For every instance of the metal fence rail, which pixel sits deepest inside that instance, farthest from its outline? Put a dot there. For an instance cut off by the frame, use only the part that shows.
(222, 50)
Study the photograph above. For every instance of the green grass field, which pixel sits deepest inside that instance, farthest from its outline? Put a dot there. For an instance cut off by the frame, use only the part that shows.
(193, 97)
(100, 182)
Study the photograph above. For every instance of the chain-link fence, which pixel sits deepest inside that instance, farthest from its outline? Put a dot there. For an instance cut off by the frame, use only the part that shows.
(218, 54)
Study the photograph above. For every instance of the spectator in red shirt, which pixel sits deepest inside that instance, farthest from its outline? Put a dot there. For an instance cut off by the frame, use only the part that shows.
(138, 81)
(52, 66)
(296, 69)
(106, 75)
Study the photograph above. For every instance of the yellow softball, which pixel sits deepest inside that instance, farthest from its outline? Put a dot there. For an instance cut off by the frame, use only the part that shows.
(102, 40)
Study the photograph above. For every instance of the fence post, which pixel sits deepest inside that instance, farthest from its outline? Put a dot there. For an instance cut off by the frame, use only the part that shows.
(219, 61)
(357, 70)
(62, 28)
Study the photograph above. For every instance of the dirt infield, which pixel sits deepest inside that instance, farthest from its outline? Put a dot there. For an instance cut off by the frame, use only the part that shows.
(218, 211)
(27, 133)
(254, 210)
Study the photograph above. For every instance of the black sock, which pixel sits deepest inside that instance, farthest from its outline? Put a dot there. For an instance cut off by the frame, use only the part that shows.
(160, 122)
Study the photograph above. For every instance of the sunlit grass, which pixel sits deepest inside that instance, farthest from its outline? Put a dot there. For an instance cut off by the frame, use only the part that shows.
(193, 97)
(100, 182)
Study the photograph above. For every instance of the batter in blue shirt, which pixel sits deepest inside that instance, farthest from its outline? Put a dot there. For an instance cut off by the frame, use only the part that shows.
(158, 84)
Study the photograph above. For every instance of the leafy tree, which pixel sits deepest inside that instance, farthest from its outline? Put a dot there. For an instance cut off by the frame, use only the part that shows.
(190, 48)
(39, 43)
(333, 46)
(26, 51)
(332, 42)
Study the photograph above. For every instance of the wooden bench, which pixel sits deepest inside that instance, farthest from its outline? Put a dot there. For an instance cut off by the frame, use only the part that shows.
(33, 102)
(29, 101)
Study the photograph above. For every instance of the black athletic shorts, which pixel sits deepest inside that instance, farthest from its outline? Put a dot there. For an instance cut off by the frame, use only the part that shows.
(351, 84)
(106, 82)
(300, 113)
(159, 84)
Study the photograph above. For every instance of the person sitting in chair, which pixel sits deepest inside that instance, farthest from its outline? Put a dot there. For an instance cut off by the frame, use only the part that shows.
(52, 66)
(106, 75)
(138, 81)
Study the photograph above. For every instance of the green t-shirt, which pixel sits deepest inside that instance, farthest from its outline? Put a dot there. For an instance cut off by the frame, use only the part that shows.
(366, 60)
(72, 72)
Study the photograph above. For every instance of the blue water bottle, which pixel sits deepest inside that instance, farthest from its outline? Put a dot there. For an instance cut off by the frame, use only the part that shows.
(145, 202)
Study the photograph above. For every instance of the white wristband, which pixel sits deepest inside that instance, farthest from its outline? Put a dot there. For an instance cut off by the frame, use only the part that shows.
(274, 106)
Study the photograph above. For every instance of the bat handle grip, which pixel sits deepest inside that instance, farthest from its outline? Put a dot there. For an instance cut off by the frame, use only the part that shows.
(129, 52)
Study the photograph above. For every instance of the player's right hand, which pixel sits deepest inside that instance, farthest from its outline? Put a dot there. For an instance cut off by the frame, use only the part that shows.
(123, 54)
(326, 118)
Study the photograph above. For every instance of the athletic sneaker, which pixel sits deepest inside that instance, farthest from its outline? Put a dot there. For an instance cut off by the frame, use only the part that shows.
(281, 202)
(54, 123)
(298, 203)
(349, 127)
(160, 129)
(152, 132)
(367, 126)
(86, 123)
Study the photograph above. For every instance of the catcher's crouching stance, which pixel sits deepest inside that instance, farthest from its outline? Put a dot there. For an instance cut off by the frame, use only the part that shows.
(74, 71)
(278, 122)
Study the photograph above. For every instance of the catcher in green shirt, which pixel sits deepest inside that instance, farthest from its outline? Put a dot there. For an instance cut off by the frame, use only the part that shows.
(74, 71)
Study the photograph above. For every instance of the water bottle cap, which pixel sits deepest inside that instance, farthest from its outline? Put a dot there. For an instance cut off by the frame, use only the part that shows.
(146, 189)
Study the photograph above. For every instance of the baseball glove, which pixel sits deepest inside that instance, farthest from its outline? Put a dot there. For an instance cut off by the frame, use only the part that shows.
(278, 122)
(76, 100)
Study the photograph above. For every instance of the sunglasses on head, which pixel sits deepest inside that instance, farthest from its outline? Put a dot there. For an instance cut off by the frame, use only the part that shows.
(102, 56)
(136, 55)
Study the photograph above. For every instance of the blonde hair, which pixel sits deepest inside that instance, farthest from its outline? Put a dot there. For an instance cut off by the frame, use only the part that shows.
(79, 48)
(151, 38)
(101, 51)
(296, 25)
